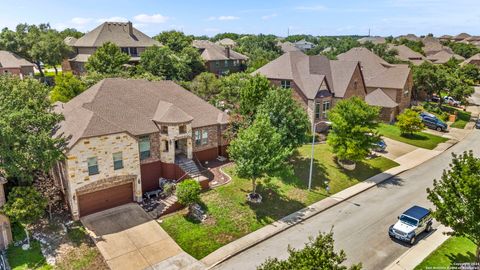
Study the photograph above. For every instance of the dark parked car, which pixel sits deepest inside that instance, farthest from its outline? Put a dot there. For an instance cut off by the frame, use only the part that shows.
(477, 124)
(380, 146)
(411, 223)
(434, 123)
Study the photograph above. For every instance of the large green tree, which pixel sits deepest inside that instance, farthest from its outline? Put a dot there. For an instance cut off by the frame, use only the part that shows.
(107, 59)
(25, 206)
(287, 116)
(353, 131)
(67, 86)
(464, 49)
(456, 197)
(260, 49)
(206, 86)
(252, 95)
(175, 40)
(318, 253)
(258, 150)
(230, 88)
(26, 126)
(163, 62)
(430, 78)
(409, 122)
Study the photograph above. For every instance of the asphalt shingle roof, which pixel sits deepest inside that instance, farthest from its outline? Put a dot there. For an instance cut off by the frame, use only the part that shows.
(213, 52)
(11, 60)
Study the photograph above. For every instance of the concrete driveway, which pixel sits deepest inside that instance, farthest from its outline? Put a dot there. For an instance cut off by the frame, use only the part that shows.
(396, 149)
(129, 239)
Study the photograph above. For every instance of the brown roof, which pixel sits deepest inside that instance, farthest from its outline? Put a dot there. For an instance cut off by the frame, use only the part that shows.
(310, 73)
(127, 105)
(287, 46)
(407, 54)
(446, 37)
(476, 57)
(11, 60)
(461, 36)
(411, 37)
(442, 57)
(122, 34)
(212, 52)
(377, 72)
(374, 40)
(226, 42)
(379, 98)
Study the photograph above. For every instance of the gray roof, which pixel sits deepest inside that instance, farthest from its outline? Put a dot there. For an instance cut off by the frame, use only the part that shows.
(11, 60)
(133, 106)
(376, 71)
(212, 52)
(120, 33)
(379, 98)
(311, 72)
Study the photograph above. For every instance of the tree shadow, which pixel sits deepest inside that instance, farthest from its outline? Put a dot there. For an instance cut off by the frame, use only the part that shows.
(415, 136)
(298, 173)
(461, 258)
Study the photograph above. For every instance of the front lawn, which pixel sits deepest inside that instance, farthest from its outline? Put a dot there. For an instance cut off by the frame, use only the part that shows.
(20, 259)
(420, 139)
(452, 252)
(231, 217)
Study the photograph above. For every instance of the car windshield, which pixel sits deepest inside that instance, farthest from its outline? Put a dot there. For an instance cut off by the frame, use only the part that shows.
(408, 220)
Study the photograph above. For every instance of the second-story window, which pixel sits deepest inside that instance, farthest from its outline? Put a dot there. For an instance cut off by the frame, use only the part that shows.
(125, 50)
(317, 110)
(226, 63)
(164, 130)
(133, 51)
(183, 129)
(198, 137)
(325, 109)
(117, 161)
(285, 84)
(205, 137)
(217, 64)
(144, 146)
(92, 166)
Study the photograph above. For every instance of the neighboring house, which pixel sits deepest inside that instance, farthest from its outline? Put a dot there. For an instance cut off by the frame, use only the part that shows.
(227, 42)
(218, 59)
(124, 35)
(318, 82)
(432, 46)
(125, 134)
(461, 37)
(11, 63)
(287, 46)
(374, 40)
(445, 38)
(395, 81)
(411, 37)
(474, 60)
(304, 45)
(407, 54)
(442, 57)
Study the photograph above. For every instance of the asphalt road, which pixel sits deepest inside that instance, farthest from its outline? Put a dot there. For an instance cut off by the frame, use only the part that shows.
(361, 224)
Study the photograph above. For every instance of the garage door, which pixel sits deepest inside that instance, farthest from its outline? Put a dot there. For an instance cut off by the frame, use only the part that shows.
(104, 199)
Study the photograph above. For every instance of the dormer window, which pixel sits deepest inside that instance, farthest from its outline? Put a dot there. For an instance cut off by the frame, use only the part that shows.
(285, 84)
(164, 130)
(183, 129)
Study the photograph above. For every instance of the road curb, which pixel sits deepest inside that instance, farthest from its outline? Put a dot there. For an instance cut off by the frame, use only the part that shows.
(304, 214)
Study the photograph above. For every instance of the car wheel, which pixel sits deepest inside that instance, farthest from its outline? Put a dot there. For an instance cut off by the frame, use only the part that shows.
(413, 240)
(439, 129)
(429, 228)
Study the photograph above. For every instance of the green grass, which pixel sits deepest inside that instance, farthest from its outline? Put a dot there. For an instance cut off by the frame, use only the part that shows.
(18, 232)
(420, 139)
(29, 259)
(453, 251)
(231, 217)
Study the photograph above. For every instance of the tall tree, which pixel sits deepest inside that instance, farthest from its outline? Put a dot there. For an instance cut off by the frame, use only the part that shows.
(192, 58)
(25, 206)
(430, 78)
(163, 62)
(206, 86)
(252, 95)
(353, 131)
(318, 253)
(175, 40)
(456, 197)
(26, 126)
(67, 86)
(260, 49)
(287, 116)
(258, 150)
(107, 59)
(230, 88)
(70, 32)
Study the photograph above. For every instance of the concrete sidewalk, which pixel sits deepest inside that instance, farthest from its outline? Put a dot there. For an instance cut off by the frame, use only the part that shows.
(415, 255)
(406, 162)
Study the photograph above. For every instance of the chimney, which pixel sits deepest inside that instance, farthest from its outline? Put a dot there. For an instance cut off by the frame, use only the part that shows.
(130, 28)
(227, 51)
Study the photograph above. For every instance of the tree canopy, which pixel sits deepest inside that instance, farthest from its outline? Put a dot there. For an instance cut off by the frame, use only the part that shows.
(456, 197)
(409, 122)
(260, 49)
(188, 192)
(67, 86)
(107, 59)
(26, 128)
(464, 49)
(252, 95)
(175, 40)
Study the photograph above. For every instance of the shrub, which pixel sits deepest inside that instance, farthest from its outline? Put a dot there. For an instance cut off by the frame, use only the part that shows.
(188, 192)
(409, 122)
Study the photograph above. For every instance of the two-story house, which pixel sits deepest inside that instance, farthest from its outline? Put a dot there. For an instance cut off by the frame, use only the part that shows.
(388, 86)
(11, 63)
(218, 59)
(317, 82)
(125, 134)
(128, 38)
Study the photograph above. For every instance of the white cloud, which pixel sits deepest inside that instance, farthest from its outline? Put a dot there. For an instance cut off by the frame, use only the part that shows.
(223, 18)
(81, 21)
(270, 16)
(311, 8)
(113, 19)
(155, 18)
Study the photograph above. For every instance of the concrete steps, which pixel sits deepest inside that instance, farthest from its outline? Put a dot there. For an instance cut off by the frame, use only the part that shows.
(190, 167)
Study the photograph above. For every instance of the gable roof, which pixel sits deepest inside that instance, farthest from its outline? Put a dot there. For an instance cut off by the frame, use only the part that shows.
(212, 52)
(311, 73)
(374, 40)
(11, 60)
(461, 36)
(407, 54)
(120, 33)
(226, 42)
(379, 98)
(411, 37)
(442, 57)
(377, 72)
(126, 105)
(287, 46)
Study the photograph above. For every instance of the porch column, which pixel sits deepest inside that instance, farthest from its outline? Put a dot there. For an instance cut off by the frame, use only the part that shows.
(189, 148)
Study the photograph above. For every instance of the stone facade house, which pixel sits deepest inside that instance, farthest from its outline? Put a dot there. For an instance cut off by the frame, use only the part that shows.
(11, 63)
(128, 38)
(395, 81)
(218, 59)
(317, 82)
(125, 134)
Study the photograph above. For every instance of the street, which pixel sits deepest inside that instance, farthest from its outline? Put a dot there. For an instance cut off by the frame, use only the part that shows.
(361, 223)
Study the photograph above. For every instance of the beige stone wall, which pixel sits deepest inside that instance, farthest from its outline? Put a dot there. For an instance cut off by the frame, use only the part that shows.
(103, 148)
(172, 136)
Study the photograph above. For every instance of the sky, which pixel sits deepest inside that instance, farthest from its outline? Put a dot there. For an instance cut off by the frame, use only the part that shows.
(279, 17)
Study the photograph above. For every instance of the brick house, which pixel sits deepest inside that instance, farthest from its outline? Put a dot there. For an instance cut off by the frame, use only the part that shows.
(11, 63)
(218, 59)
(318, 82)
(395, 81)
(128, 38)
(125, 134)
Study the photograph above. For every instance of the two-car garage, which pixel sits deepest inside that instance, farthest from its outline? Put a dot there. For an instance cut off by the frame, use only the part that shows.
(103, 199)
